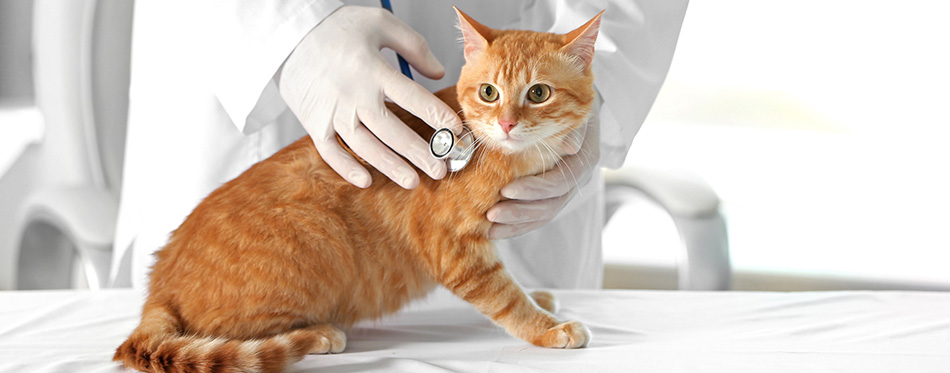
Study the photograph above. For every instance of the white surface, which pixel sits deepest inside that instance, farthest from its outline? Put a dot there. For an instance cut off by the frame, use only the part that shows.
(632, 331)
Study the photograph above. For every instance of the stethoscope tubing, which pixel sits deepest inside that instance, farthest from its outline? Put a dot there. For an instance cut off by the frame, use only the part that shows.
(403, 65)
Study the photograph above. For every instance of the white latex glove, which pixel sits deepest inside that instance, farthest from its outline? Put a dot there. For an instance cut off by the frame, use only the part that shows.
(336, 78)
(535, 200)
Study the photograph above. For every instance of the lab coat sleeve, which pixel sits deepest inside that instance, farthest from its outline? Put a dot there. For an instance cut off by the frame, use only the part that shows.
(633, 53)
(247, 42)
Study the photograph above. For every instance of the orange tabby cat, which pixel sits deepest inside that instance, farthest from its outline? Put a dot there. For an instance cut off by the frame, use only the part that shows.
(270, 266)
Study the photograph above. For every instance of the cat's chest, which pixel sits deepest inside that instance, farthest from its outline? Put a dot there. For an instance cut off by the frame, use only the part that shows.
(479, 187)
(505, 167)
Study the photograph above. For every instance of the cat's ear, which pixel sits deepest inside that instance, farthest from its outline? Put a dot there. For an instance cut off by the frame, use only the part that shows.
(580, 42)
(475, 35)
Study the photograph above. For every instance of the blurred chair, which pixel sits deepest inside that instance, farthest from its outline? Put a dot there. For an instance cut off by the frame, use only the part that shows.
(704, 263)
(63, 192)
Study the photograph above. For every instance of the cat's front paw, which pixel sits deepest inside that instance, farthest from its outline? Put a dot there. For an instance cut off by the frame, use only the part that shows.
(570, 334)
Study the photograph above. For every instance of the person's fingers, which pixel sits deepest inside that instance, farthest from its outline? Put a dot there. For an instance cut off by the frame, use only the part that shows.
(402, 139)
(503, 231)
(552, 183)
(343, 163)
(420, 102)
(318, 124)
(377, 154)
(574, 139)
(571, 172)
(517, 212)
(410, 45)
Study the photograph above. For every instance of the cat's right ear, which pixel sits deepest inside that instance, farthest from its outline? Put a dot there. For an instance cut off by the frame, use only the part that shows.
(580, 42)
(475, 35)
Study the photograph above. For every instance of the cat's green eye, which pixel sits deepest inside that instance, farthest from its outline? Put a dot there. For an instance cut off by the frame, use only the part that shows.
(488, 93)
(539, 93)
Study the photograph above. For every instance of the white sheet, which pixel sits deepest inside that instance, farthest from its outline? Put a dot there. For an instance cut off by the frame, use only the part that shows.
(648, 331)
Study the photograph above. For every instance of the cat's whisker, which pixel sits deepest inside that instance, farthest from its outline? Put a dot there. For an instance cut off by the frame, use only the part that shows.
(561, 165)
(474, 145)
(541, 155)
(574, 138)
(476, 141)
(479, 140)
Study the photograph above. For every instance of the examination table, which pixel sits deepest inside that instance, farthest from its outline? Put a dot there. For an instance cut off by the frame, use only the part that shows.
(633, 331)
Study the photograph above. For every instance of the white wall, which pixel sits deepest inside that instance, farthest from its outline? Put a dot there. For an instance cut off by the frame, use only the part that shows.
(823, 125)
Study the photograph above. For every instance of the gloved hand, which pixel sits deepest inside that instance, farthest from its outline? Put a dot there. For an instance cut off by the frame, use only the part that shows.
(535, 200)
(336, 78)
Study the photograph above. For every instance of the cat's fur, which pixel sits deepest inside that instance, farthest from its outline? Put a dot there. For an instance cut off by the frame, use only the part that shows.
(272, 264)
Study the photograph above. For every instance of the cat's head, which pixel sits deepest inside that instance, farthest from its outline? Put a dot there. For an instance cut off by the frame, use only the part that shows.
(525, 90)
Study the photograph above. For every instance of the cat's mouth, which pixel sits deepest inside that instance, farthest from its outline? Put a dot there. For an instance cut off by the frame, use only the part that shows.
(511, 144)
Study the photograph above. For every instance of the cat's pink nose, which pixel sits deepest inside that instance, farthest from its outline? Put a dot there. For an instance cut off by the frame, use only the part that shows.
(507, 125)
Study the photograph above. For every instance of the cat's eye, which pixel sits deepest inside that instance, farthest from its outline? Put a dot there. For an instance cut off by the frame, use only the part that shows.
(539, 93)
(488, 93)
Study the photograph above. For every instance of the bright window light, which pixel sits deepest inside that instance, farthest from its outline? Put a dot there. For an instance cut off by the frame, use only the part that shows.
(823, 125)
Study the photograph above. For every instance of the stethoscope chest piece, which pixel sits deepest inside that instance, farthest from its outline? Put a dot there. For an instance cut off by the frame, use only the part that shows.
(456, 150)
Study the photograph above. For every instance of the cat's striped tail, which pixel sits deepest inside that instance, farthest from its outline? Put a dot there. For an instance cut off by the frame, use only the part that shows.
(157, 345)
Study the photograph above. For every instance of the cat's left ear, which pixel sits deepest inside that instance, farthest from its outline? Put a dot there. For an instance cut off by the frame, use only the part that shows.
(476, 35)
(580, 42)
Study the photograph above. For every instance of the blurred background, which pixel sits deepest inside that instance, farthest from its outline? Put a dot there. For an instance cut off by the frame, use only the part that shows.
(820, 127)
(823, 128)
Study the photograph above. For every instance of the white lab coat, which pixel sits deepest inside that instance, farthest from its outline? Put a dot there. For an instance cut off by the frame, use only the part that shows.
(204, 107)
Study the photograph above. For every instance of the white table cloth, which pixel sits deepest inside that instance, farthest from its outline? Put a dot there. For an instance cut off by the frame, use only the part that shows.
(645, 331)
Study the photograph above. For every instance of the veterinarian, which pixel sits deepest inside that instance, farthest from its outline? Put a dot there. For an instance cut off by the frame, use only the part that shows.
(206, 104)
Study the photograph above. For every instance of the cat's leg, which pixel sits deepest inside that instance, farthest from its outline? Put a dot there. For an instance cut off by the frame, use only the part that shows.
(545, 300)
(330, 339)
(483, 281)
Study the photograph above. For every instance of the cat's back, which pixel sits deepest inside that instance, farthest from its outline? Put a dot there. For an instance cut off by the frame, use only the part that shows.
(291, 222)
(292, 191)
(252, 234)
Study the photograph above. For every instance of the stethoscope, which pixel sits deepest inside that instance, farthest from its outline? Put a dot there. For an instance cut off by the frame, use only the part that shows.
(456, 150)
